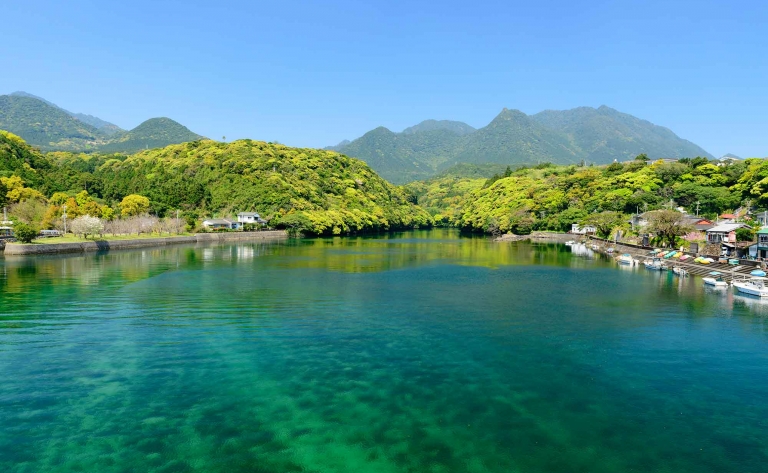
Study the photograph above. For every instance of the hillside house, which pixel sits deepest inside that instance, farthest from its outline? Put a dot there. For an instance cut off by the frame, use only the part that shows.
(250, 217)
(762, 243)
(724, 232)
(220, 223)
(577, 229)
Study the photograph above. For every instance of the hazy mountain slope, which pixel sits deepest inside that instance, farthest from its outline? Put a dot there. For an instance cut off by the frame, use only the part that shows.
(153, 133)
(104, 126)
(460, 128)
(44, 125)
(400, 157)
(595, 135)
(513, 138)
(605, 134)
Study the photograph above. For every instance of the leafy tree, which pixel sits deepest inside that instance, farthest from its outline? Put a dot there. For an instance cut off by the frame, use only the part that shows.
(24, 233)
(642, 157)
(3, 194)
(745, 234)
(667, 225)
(604, 222)
(134, 204)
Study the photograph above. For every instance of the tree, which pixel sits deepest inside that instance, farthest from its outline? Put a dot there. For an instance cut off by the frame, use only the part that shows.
(604, 222)
(3, 196)
(667, 225)
(133, 205)
(642, 157)
(87, 225)
(24, 233)
(745, 234)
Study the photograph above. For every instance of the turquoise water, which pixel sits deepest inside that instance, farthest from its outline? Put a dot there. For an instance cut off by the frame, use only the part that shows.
(416, 352)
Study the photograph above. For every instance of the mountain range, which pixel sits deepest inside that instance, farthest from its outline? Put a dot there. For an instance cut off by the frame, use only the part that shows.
(50, 127)
(585, 134)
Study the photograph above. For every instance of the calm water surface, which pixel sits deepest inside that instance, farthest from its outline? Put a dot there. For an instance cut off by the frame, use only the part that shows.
(417, 352)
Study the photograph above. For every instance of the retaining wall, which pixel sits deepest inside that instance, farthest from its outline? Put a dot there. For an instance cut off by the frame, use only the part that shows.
(104, 245)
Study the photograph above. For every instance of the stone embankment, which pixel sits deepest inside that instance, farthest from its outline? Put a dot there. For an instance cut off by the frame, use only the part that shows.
(539, 236)
(105, 245)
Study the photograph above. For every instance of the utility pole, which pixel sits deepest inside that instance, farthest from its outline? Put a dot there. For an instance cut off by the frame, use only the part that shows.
(64, 217)
(177, 221)
(697, 208)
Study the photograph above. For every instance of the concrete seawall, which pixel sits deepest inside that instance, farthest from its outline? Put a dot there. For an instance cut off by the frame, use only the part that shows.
(103, 245)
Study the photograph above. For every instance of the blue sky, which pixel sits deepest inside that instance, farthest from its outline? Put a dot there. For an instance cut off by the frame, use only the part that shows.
(314, 73)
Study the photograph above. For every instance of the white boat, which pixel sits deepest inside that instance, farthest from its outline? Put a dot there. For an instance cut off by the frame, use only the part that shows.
(755, 286)
(655, 264)
(680, 271)
(715, 279)
(569, 243)
(626, 258)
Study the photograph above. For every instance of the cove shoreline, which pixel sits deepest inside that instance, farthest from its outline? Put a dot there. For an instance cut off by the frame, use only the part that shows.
(20, 249)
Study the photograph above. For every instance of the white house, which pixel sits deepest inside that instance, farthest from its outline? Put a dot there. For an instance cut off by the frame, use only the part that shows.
(250, 217)
(216, 223)
(724, 233)
(577, 229)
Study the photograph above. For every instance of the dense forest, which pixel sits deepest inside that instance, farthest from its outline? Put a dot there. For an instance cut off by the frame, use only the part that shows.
(551, 197)
(314, 191)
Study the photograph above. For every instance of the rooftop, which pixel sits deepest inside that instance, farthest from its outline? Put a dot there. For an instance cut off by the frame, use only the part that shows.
(727, 227)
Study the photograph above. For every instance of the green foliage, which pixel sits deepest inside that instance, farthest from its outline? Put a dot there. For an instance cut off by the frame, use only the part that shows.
(153, 133)
(24, 233)
(133, 205)
(605, 222)
(745, 234)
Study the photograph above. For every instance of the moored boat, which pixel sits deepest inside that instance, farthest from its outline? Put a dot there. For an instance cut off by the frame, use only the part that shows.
(715, 279)
(680, 271)
(626, 258)
(655, 264)
(755, 286)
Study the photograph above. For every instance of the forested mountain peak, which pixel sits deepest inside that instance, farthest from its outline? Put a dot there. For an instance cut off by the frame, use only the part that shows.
(50, 127)
(102, 125)
(588, 134)
(152, 133)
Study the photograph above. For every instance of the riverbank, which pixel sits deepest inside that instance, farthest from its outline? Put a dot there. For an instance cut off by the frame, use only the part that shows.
(108, 245)
(539, 236)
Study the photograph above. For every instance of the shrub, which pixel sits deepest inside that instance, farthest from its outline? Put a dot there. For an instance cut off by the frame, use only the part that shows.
(24, 233)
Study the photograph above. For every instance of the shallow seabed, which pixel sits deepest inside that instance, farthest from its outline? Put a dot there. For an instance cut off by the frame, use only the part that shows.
(416, 352)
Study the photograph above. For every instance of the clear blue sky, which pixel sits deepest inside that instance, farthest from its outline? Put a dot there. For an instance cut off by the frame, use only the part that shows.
(314, 73)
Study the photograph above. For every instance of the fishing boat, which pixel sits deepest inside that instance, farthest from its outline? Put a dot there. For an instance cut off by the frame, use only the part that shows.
(715, 279)
(655, 264)
(755, 286)
(626, 258)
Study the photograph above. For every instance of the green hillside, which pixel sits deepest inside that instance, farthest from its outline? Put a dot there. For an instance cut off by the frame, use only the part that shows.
(604, 134)
(319, 192)
(46, 126)
(153, 133)
(49, 127)
(106, 128)
(597, 136)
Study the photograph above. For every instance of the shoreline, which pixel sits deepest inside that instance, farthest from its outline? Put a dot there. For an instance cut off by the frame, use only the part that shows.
(20, 249)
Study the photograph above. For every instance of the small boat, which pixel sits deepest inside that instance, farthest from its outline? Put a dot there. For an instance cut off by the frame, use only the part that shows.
(670, 254)
(715, 279)
(626, 258)
(570, 242)
(685, 257)
(609, 250)
(754, 286)
(680, 271)
(655, 264)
